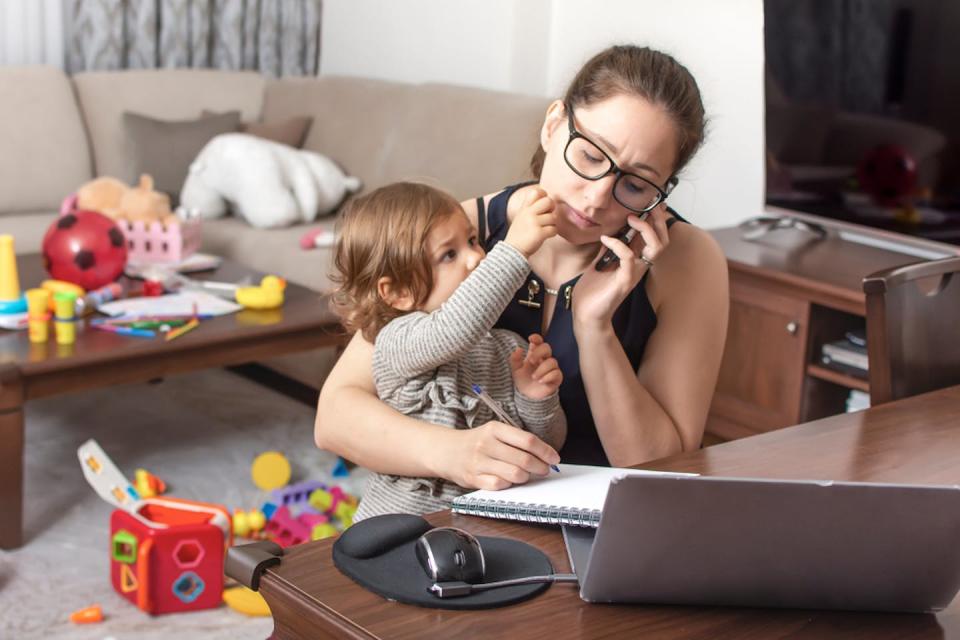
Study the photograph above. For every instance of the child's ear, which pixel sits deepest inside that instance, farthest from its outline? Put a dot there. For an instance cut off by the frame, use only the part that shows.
(397, 297)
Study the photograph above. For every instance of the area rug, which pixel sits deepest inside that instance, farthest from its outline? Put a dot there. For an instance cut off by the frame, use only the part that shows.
(199, 433)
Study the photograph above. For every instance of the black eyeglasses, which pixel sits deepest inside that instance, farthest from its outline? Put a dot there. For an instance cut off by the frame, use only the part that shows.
(590, 162)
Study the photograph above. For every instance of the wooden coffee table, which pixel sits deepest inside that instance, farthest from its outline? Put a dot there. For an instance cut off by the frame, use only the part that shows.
(101, 359)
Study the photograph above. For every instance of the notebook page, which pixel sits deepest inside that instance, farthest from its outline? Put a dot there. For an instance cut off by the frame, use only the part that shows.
(576, 486)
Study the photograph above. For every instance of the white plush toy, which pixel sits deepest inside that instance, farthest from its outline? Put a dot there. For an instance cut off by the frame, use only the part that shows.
(268, 183)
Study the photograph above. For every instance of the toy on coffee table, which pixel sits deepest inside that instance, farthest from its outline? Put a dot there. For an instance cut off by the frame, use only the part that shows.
(12, 301)
(166, 555)
(86, 248)
(153, 232)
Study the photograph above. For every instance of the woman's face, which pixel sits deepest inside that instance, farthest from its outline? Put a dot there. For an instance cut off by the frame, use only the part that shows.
(640, 137)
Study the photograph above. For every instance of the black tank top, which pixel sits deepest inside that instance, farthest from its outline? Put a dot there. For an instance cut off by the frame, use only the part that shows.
(633, 322)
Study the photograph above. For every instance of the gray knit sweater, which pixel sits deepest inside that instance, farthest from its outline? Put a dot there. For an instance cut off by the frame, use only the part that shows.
(424, 365)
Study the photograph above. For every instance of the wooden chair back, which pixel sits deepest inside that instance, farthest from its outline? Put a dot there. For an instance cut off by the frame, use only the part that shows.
(913, 329)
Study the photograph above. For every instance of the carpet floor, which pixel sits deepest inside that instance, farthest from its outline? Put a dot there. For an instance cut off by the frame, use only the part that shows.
(198, 432)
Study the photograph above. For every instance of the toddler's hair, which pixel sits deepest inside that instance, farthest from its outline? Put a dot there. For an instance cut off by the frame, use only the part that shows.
(383, 234)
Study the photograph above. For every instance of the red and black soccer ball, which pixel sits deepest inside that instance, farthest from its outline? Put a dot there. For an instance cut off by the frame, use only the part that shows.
(889, 174)
(86, 248)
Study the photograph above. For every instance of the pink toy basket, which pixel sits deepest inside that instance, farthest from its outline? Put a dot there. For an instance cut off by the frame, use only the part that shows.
(154, 242)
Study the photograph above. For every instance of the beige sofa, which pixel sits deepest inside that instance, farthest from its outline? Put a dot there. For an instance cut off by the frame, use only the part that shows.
(57, 132)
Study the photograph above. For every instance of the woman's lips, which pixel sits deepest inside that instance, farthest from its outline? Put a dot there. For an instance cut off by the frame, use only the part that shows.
(579, 219)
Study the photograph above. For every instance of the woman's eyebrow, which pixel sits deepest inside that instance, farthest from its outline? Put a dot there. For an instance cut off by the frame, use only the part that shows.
(615, 151)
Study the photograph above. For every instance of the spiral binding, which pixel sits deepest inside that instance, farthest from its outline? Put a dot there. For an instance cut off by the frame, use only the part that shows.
(527, 512)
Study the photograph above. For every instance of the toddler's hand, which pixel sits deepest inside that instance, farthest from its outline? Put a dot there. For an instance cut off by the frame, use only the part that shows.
(536, 374)
(535, 222)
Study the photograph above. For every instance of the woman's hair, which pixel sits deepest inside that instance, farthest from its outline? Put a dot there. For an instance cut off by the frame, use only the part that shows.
(645, 73)
(383, 234)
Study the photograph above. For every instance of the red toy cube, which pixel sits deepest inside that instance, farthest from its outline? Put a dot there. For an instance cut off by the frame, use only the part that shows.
(168, 557)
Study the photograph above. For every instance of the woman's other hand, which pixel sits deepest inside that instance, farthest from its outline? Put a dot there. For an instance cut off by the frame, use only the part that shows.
(598, 293)
(495, 456)
(535, 222)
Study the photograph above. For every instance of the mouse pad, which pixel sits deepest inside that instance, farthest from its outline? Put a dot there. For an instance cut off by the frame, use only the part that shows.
(379, 555)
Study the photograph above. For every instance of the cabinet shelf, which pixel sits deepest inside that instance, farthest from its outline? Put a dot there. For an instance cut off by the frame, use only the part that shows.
(836, 377)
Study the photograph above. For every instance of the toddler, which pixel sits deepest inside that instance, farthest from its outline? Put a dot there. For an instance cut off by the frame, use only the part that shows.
(413, 278)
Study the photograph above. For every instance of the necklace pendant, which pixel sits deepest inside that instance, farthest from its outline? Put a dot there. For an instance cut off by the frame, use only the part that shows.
(533, 288)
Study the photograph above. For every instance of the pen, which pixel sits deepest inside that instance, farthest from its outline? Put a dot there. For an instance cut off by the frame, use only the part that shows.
(499, 412)
(125, 331)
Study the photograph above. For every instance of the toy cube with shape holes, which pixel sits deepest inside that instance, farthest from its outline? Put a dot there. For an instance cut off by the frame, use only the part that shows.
(167, 556)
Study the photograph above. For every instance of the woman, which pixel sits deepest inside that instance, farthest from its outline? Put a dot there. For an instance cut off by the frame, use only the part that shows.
(639, 342)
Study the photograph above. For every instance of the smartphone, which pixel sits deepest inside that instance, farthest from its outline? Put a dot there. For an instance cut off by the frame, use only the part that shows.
(624, 235)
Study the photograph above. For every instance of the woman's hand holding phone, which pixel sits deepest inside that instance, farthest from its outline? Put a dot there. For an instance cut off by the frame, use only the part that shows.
(598, 293)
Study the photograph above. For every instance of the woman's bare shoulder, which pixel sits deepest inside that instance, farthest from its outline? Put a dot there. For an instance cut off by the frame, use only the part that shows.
(693, 261)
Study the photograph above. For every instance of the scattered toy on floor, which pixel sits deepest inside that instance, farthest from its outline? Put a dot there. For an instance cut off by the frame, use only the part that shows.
(147, 484)
(246, 601)
(340, 469)
(87, 615)
(166, 555)
(270, 470)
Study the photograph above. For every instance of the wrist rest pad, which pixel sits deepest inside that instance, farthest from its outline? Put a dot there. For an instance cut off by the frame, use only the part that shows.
(379, 554)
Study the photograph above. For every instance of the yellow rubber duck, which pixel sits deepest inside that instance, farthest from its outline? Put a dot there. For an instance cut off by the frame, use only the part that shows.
(269, 295)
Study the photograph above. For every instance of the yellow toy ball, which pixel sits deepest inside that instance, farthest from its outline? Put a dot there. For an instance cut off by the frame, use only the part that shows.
(256, 519)
(241, 523)
(270, 470)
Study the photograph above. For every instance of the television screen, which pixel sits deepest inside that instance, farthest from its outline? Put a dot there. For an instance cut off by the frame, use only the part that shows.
(863, 112)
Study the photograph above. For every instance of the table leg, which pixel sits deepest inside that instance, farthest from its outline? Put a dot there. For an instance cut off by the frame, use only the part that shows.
(11, 459)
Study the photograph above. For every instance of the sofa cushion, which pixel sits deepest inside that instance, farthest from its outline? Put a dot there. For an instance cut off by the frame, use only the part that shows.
(465, 140)
(164, 149)
(170, 94)
(354, 119)
(28, 228)
(45, 152)
(275, 251)
(291, 132)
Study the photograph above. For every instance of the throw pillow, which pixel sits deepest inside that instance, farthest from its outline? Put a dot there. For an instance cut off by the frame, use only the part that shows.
(164, 149)
(292, 131)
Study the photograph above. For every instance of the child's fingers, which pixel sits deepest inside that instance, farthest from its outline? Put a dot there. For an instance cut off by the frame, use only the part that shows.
(554, 378)
(542, 350)
(535, 338)
(516, 359)
(545, 367)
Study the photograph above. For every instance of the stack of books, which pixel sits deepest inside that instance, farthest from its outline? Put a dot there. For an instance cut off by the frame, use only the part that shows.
(848, 355)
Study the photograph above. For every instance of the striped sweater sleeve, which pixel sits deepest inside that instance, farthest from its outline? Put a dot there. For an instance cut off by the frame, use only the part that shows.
(419, 342)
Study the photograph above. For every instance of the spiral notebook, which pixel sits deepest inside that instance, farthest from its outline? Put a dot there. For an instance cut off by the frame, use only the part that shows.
(574, 496)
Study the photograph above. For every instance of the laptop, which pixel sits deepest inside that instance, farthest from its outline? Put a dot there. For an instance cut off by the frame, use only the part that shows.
(745, 542)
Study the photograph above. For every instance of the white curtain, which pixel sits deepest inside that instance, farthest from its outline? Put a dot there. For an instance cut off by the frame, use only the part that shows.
(31, 32)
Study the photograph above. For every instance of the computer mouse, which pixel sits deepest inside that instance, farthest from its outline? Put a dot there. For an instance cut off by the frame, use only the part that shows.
(449, 554)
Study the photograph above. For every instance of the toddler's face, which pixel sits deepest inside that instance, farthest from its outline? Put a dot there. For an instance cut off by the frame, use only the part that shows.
(454, 252)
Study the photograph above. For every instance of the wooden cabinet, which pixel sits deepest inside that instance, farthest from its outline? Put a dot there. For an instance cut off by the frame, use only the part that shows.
(789, 295)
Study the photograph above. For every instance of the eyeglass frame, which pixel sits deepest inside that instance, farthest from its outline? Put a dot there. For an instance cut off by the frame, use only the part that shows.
(614, 169)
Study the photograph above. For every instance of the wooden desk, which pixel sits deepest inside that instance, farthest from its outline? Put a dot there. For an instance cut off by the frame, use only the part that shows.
(914, 441)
